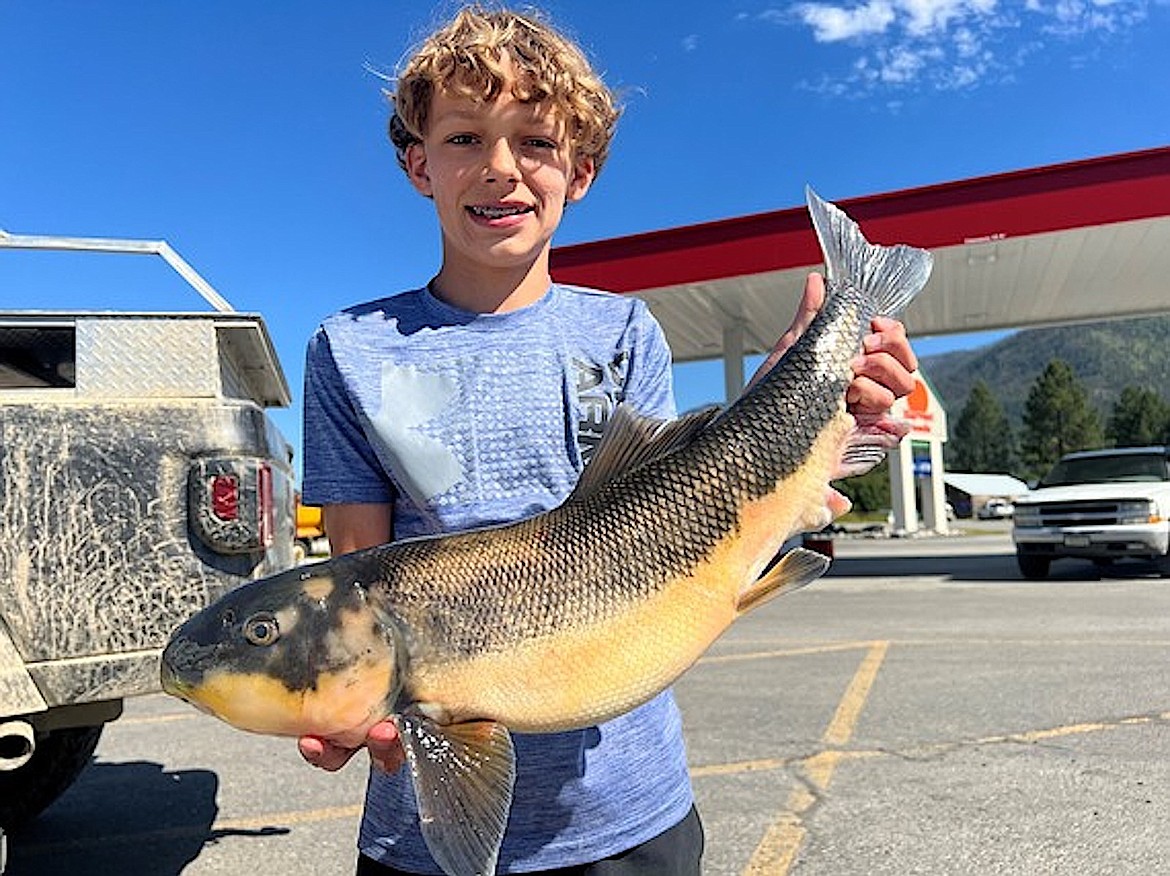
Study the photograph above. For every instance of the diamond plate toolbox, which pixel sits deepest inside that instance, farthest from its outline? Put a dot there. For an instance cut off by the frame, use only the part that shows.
(147, 358)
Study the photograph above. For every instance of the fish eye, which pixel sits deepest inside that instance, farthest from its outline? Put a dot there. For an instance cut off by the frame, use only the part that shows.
(261, 629)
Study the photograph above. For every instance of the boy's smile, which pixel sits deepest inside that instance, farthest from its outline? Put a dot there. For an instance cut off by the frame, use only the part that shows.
(500, 174)
(499, 215)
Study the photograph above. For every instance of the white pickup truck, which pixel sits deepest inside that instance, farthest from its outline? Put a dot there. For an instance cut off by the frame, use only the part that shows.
(1100, 505)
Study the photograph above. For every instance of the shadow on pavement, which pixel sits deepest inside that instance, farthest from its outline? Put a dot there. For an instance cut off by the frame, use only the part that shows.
(984, 568)
(132, 817)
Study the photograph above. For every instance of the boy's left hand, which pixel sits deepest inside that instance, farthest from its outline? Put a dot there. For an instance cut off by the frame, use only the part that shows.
(883, 371)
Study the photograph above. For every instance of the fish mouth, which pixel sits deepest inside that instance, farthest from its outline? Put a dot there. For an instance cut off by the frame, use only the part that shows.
(171, 683)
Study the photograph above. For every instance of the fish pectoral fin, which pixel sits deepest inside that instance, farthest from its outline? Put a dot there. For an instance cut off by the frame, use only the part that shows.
(463, 776)
(869, 442)
(797, 568)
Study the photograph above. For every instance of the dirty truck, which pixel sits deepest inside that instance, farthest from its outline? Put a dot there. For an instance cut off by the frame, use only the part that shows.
(140, 479)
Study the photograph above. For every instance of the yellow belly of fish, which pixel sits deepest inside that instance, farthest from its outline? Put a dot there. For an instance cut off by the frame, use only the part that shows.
(341, 707)
(594, 671)
(586, 673)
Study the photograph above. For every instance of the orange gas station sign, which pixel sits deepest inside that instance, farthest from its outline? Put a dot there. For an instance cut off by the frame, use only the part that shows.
(922, 410)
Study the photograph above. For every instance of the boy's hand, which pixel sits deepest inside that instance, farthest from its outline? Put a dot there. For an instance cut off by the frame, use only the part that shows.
(382, 742)
(883, 372)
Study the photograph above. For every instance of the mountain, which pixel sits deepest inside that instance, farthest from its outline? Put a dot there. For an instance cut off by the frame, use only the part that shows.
(1105, 356)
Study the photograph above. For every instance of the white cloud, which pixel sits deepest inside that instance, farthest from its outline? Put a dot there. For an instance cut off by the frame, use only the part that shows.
(915, 18)
(949, 44)
(1076, 17)
(925, 17)
(690, 42)
(833, 23)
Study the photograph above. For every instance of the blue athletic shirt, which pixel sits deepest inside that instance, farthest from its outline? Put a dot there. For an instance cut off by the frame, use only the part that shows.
(461, 420)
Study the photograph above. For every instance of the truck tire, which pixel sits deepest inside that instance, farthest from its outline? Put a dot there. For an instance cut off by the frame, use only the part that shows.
(59, 758)
(1162, 564)
(1032, 566)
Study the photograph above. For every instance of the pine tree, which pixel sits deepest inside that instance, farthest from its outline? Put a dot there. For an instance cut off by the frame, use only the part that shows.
(981, 439)
(1140, 417)
(1057, 419)
(870, 491)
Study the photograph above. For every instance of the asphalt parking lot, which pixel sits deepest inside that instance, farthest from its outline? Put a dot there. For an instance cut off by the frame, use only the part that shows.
(921, 710)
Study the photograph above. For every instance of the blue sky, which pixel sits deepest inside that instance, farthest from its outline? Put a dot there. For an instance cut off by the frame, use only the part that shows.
(250, 135)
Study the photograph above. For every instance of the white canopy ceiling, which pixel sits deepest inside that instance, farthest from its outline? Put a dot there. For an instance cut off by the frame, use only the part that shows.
(1082, 241)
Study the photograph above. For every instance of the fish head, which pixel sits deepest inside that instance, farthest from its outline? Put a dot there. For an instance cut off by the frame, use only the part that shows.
(305, 652)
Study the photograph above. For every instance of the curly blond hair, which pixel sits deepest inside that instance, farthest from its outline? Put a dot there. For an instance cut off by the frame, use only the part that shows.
(466, 58)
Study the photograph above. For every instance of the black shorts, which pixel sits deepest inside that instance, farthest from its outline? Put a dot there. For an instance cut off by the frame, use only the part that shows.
(675, 852)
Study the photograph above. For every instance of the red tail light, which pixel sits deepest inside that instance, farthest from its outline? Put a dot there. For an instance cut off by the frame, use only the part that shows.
(225, 497)
(231, 503)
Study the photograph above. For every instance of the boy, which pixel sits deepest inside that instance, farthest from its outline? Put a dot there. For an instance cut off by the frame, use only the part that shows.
(471, 401)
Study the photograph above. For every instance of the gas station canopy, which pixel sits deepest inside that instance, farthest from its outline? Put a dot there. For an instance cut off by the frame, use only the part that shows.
(1085, 240)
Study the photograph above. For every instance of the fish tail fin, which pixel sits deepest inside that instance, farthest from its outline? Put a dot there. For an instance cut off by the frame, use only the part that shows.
(891, 275)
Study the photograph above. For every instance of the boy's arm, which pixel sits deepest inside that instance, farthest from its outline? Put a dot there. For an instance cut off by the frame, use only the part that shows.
(351, 527)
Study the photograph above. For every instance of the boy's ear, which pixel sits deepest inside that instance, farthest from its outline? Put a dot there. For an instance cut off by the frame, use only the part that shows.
(584, 170)
(416, 169)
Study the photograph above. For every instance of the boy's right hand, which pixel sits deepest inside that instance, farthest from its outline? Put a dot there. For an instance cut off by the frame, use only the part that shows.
(382, 741)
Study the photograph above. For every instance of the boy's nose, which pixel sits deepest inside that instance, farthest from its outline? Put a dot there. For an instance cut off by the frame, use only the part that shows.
(501, 162)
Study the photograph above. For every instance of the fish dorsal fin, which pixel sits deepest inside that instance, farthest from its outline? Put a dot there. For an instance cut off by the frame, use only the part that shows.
(463, 776)
(891, 275)
(798, 567)
(631, 440)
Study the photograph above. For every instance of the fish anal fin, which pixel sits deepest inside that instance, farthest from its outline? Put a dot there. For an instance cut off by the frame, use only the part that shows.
(632, 440)
(463, 776)
(795, 569)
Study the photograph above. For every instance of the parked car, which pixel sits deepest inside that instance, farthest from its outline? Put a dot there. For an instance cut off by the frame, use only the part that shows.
(996, 509)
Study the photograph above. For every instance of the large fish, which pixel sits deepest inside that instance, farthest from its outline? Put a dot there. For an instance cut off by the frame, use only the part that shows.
(461, 639)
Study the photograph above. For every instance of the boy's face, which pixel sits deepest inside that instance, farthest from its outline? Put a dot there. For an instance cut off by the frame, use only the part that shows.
(500, 175)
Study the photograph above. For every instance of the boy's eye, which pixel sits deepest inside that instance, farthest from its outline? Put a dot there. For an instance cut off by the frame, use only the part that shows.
(542, 143)
(461, 139)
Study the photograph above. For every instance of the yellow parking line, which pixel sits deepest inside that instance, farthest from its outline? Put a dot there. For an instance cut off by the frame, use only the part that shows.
(783, 652)
(283, 819)
(922, 749)
(849, 710)
(742, 766)
(1073, 729)
(777, 851)
(156, 719)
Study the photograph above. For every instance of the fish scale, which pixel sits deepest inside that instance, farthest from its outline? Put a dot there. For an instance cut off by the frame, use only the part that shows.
(641, 546)
(572, 616)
